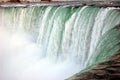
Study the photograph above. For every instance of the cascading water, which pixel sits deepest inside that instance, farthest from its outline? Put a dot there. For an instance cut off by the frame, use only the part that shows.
(53, 43)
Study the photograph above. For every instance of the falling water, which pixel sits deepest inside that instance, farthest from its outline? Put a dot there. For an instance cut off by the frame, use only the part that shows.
(53, 43)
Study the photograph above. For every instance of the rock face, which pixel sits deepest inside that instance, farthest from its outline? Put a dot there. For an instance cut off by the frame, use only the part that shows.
(109, 70)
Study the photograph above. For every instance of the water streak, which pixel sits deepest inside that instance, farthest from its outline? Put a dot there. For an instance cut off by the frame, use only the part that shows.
(53, 43)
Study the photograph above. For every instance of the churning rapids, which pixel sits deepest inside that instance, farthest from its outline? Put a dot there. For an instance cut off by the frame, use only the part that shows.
(53, 43)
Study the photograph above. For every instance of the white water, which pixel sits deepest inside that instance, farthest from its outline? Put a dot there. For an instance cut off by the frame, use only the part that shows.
(21, 60)
(54, 43)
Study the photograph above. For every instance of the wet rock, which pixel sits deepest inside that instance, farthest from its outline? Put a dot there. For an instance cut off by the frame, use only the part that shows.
(109, 70)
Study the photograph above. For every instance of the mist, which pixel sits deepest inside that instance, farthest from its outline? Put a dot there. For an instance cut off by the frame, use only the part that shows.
(21, 60)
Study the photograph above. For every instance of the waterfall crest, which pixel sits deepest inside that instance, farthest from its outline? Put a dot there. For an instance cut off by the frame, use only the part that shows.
(77, 37)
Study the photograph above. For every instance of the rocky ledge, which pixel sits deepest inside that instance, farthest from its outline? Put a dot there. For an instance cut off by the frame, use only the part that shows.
(109, 70)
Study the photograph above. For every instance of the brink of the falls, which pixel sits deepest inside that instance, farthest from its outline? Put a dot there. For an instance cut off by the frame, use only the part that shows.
(54, 43)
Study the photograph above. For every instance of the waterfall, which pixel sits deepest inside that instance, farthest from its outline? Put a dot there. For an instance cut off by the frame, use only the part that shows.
(53, 43)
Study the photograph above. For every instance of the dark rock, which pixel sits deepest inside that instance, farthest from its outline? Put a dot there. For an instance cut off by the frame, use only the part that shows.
(109, 70)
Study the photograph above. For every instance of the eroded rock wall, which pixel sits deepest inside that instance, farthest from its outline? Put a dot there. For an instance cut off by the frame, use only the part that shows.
(109, 70)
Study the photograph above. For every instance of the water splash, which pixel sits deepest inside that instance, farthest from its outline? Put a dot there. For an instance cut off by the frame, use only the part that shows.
(53, 43)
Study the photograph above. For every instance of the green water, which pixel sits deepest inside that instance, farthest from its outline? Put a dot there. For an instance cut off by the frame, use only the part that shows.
(84, 36)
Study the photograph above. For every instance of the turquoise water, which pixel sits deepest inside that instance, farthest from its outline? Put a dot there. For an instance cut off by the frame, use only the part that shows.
(53, 43)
